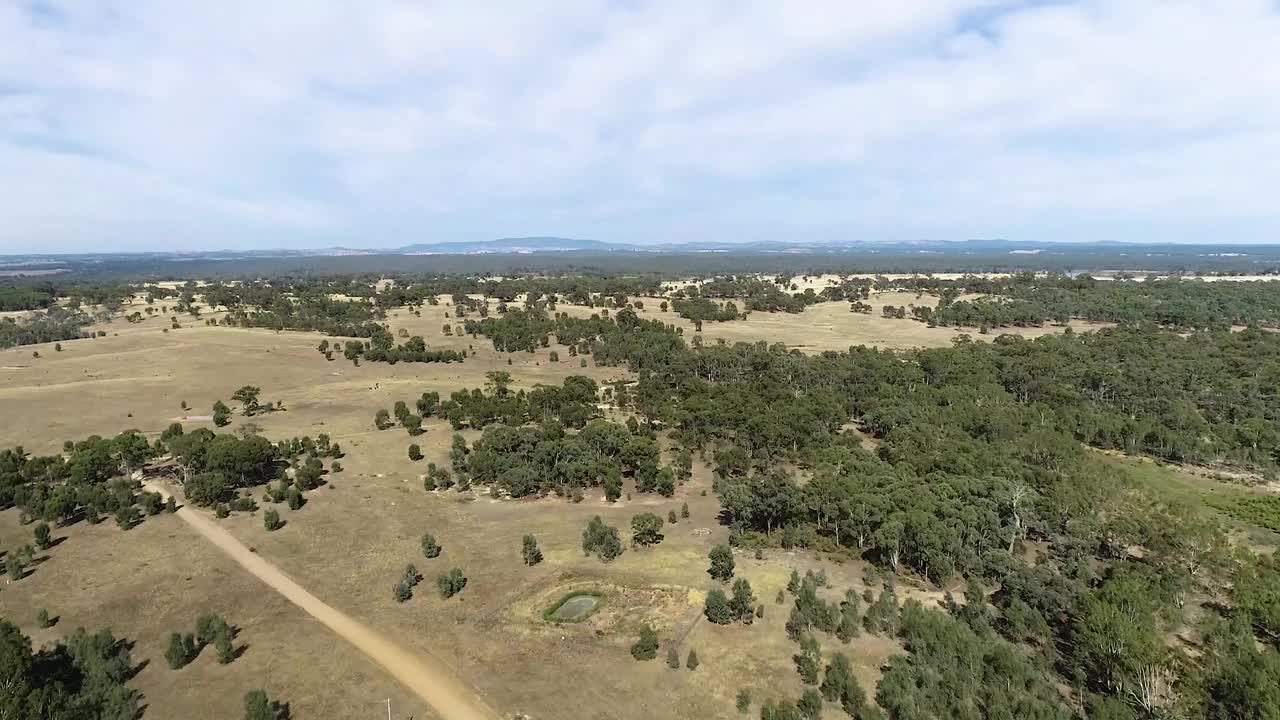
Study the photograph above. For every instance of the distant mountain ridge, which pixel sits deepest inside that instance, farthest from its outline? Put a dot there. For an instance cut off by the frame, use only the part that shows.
(509, 245)
(552, 245)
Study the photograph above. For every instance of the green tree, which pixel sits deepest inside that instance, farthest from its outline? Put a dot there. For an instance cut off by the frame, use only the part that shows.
(224, 647)
(808, 660)
(208, 488)
(743, 603)
(810, 704)
(743, 701)
(221, 414)
(691, 662)
(612, 485)
(181, 651)
(14, 566)
(257, 706)
(209, 626)
(601, 539)
(850, 621)
(646, 647)
(247, 396)
(42, 619)
(42, 535)
(152, 503)
(430, 548)
(415, 452)
(646, 529)
(717, 609)
(684, 510)
(840, 686)
(451, 583)
(721, 557)
(293, 497)
(529, 551)
(128, 517)
(402, 591)
(271, 520)
(412, 423)
(382, 419)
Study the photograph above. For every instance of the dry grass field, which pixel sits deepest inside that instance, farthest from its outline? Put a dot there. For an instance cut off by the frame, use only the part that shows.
(350, 542)
(158, 578)
(831, 326)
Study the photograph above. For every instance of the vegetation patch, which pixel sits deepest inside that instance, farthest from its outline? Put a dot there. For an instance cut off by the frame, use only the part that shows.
(1259, 510)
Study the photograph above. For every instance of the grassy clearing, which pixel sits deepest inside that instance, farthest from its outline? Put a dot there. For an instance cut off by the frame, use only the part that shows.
(1254, 511)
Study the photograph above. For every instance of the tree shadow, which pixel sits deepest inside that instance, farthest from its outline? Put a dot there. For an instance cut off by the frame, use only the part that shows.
(55, 542)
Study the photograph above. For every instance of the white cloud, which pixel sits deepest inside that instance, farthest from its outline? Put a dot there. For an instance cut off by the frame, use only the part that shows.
(154, 122)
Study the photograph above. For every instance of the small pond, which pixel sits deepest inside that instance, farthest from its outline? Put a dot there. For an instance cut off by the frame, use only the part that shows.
(575, 607)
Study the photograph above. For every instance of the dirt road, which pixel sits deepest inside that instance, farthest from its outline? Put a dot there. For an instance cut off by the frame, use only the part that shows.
(432, 682)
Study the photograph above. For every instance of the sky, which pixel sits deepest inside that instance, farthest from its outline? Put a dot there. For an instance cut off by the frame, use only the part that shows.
(175, 124)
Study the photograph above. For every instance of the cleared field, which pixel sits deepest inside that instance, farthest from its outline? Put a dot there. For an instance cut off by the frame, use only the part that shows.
(138, 378)
(831, 326)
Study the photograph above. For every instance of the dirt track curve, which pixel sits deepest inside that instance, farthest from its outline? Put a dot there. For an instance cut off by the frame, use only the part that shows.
(435, 684)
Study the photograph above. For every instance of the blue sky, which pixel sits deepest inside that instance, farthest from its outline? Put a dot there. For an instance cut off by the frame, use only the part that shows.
(149, 124)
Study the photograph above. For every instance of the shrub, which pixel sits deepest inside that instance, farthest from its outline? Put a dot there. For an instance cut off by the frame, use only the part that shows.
(181, 650)
(645, 648)
(530, 552)
(42, 535)
(451, 583)
(430, 548)
(271, 520)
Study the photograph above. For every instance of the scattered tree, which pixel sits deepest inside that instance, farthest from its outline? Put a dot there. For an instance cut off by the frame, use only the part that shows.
(646, 529)
(451, 583)
(271, 520)
(721, 557)
(181, 651)
(430, 548)
(530, 552)
(646, 648)
(716, 608)
(42, 535)
(601, 539)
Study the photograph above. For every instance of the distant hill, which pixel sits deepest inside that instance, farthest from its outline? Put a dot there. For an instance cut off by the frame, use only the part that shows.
(510, 245)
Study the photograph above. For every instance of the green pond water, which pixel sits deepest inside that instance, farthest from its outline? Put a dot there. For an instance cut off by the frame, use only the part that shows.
(576, 608)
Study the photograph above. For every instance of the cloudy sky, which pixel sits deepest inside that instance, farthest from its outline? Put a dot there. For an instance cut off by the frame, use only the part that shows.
(139, 124)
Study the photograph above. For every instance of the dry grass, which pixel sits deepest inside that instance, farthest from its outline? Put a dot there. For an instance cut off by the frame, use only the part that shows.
(156, 579)
(831, 326)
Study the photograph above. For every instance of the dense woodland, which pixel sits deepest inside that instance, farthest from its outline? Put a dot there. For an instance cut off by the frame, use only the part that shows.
(979, 457)
(971, 466)
(50, 326)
